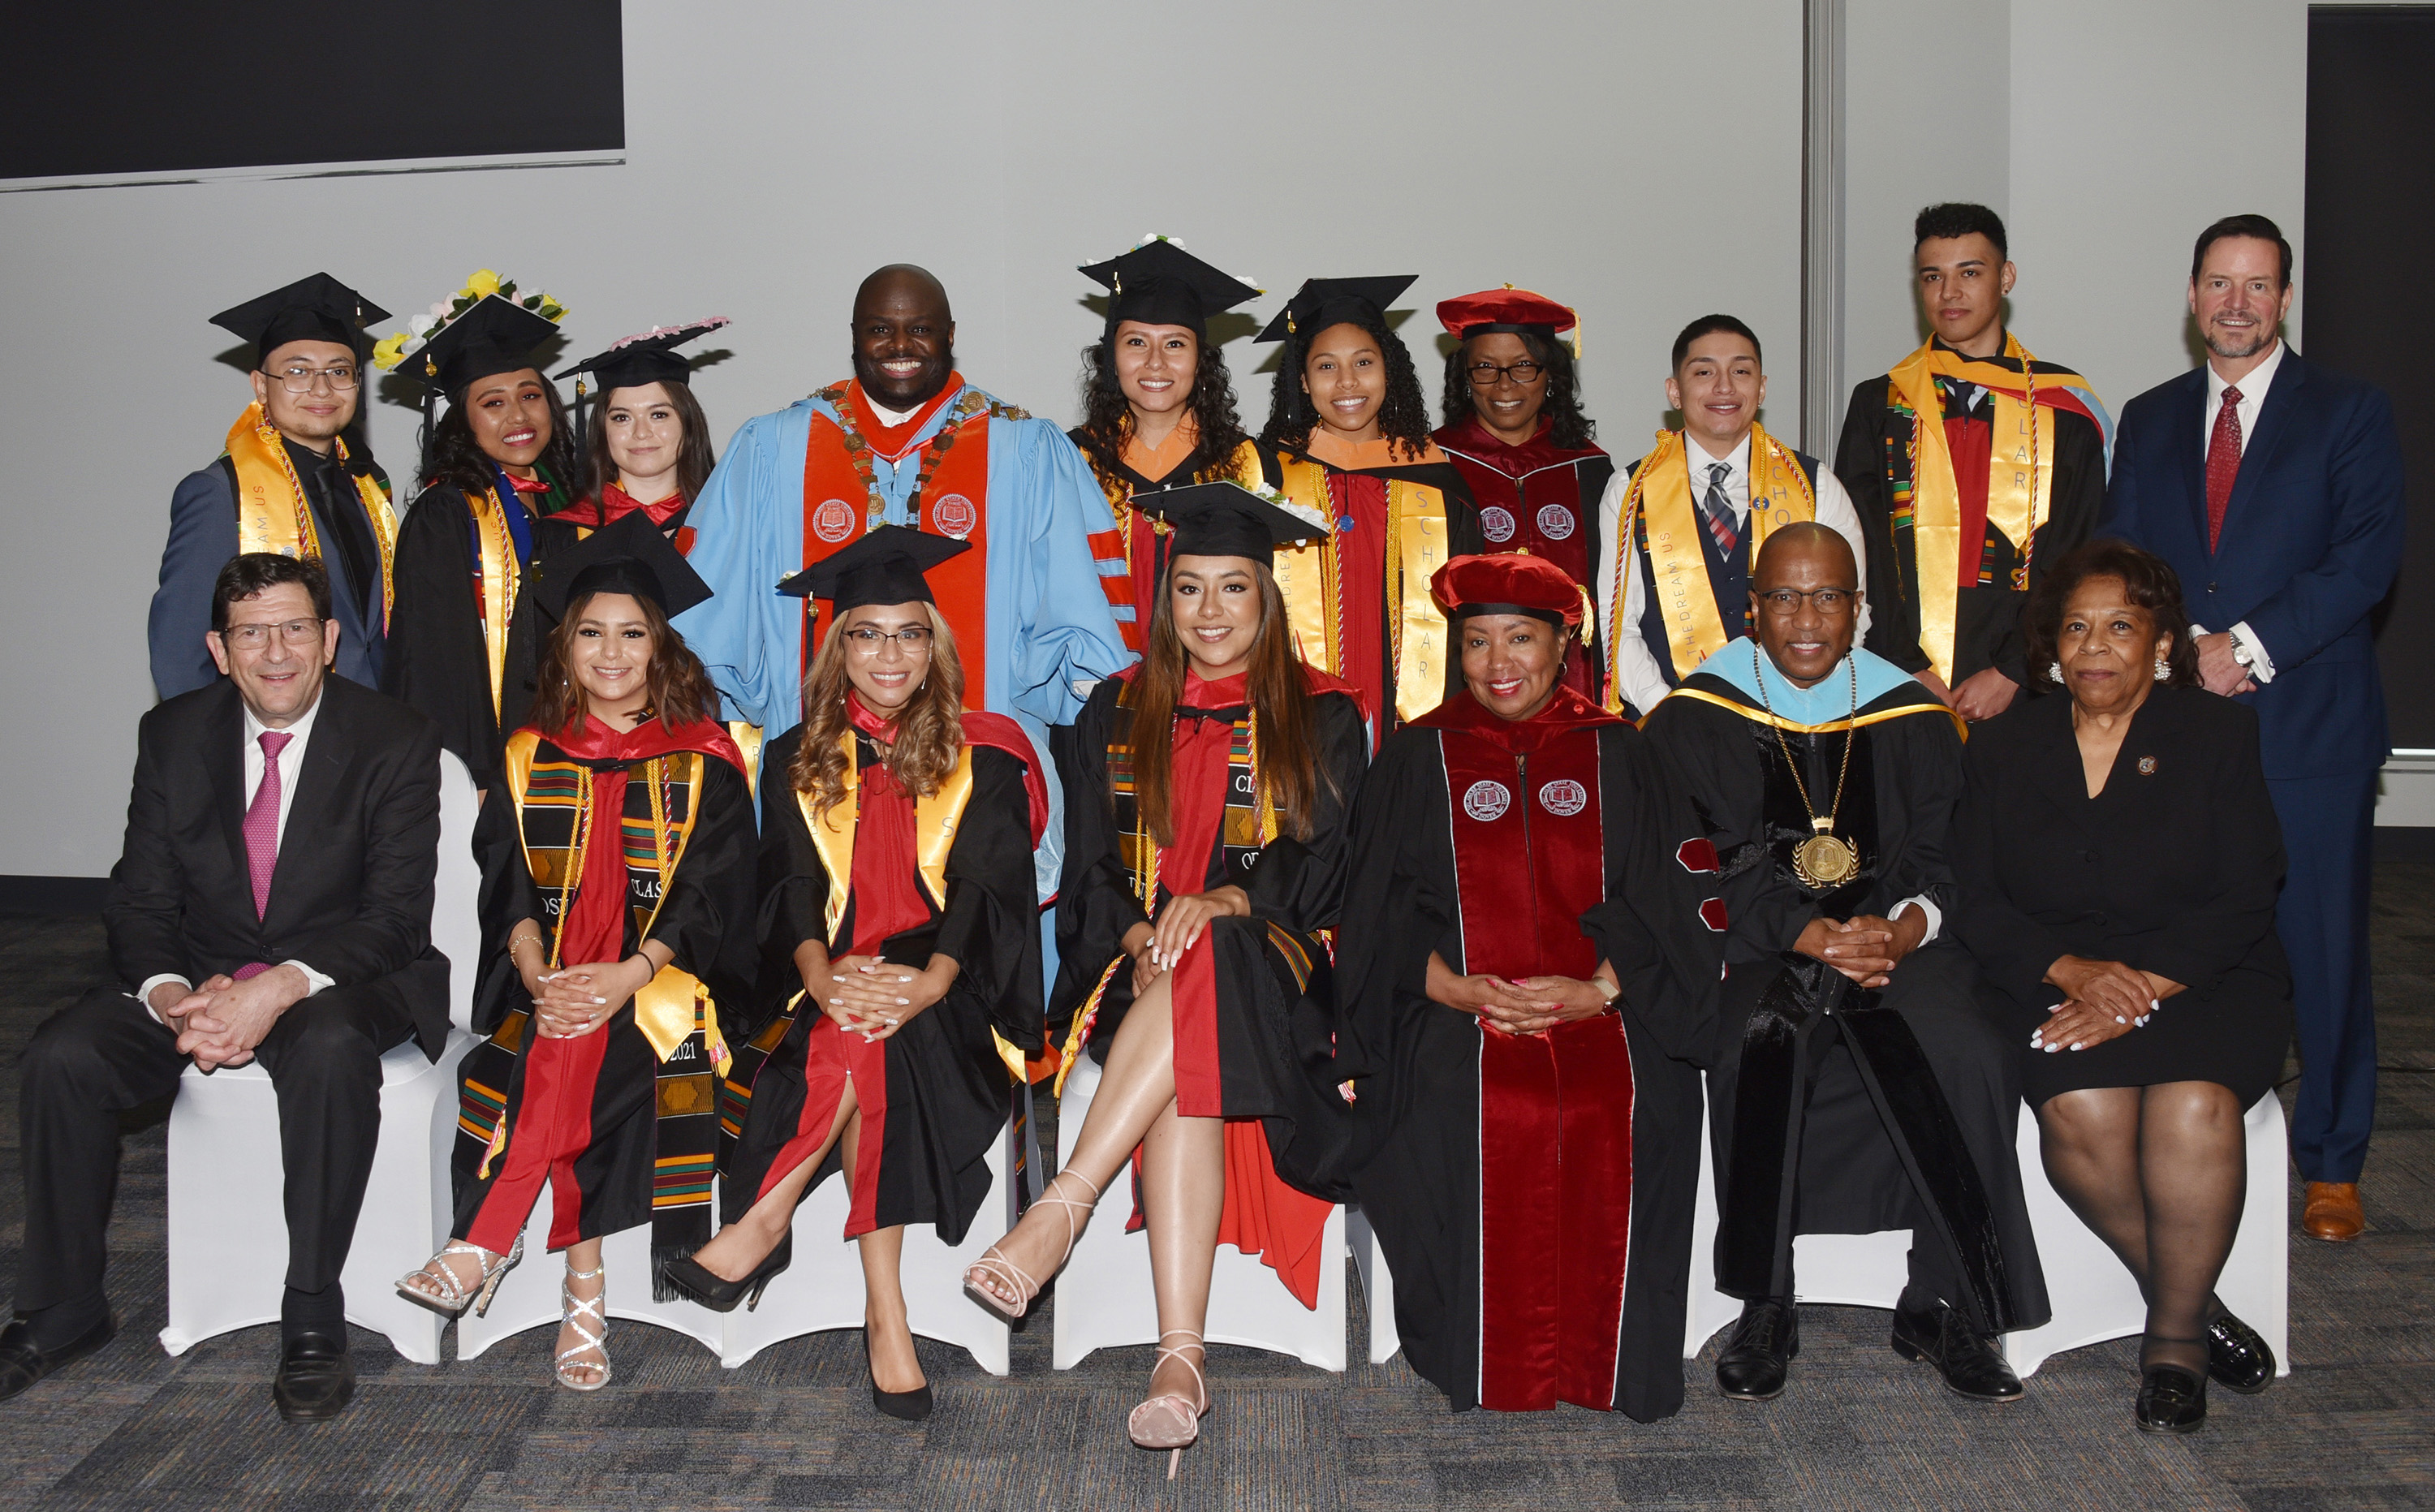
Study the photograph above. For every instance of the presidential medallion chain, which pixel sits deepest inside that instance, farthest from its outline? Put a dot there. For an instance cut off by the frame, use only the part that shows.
(1826, 859)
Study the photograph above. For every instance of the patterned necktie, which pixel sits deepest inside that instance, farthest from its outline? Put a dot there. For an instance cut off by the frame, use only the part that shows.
(2223, 463)
(1718, 513)
(261, 821)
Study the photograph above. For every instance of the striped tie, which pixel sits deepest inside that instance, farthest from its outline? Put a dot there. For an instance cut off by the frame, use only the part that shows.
(1718, 513)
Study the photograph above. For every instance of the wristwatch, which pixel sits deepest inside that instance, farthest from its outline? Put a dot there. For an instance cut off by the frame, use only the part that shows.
(1609, 991)
(2241, 652)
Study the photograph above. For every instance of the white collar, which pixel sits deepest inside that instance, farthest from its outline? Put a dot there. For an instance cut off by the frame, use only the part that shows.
(301, 729)
(1695, 451)
(2252, 385)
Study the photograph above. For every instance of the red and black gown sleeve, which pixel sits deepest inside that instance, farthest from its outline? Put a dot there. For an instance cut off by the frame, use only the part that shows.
(436, 660)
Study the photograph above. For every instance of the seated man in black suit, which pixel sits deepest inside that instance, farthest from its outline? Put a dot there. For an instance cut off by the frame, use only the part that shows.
(274, 901)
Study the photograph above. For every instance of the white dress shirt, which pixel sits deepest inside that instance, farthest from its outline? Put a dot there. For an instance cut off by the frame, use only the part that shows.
(1640, 679)
(291, 762)
(2253, 401)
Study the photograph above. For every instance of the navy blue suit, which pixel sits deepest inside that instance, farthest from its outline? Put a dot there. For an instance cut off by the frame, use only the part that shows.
(2310, 541)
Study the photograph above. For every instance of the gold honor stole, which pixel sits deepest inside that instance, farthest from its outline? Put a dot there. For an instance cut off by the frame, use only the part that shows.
(935, 821)
(1310, 578)
(1660, 500)
(271, 511)
(2020, 474)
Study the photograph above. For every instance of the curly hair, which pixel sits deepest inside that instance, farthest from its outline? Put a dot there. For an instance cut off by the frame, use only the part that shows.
(929, 728)
(1404, 418)
(1573, 430)
(695, 458)
(2147, 582)
(1108, 416)
(680, 687)
(451, 456)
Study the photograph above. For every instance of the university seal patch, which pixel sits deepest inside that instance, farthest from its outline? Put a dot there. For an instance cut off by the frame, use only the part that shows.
(833, 521)
(955, 516)
(1555, 521)
(1486, 801)
(1564, 797)
(1497, 523)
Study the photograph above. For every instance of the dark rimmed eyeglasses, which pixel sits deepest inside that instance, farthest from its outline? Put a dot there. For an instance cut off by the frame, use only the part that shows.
(254, 637)
(1487, 374)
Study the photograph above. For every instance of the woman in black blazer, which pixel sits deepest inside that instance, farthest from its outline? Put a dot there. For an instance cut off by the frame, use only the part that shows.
(2119, 862)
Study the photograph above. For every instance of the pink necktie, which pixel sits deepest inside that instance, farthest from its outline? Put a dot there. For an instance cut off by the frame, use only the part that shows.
(2223, 463)
(261, 821)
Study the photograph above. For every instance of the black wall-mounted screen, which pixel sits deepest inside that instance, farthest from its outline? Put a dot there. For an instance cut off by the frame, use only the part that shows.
(165, 87)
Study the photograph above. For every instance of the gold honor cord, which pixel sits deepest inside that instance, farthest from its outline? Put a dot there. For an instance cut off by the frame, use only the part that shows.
(1826, 859)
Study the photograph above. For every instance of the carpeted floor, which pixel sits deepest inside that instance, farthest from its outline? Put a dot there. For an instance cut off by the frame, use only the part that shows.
(2354, 1426)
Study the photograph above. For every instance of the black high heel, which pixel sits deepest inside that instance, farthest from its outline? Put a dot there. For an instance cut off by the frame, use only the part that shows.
(907, 1406)
(696, 1282)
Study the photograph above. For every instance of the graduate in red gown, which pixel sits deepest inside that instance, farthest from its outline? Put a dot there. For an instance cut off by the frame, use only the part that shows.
(1528, 968)
(1206, 837)
(617, 910)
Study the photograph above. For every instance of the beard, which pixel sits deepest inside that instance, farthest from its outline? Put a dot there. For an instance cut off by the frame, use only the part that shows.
(2239, 341)
(872, 380)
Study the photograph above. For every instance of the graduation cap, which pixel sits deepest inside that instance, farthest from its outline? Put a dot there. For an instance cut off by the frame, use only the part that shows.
(1225, 518)
(1160, 284)
(1509, 582)
(1322, 303)
(629, 556)
(884, 567)
(1518, 311)
(648, 358)
(318, 308)
(496, 335)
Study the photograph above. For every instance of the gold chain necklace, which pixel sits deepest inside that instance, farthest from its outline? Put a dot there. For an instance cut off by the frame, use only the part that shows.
(1826, 859)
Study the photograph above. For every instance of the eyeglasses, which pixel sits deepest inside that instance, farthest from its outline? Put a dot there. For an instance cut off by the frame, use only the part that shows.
(254, 637)
(300, 380)
(1785, 602)
(1487, 374)
(869, 640)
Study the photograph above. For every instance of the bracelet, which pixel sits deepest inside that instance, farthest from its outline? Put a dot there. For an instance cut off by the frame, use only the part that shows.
(518, 938)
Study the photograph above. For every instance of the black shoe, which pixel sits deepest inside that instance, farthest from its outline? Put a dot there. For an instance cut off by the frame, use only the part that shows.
(1967, 1359)
(2237, 1359)
(688, 1278)
(22, 1363)
(316, 1379)
(1759, 1351)
(911, 1406)
(2171, 1400)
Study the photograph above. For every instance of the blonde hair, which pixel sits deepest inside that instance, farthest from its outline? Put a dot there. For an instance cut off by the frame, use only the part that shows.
(929, 728)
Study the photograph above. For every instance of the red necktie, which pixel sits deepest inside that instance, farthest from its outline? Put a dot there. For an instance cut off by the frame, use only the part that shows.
(261, 821)
(2223, 463)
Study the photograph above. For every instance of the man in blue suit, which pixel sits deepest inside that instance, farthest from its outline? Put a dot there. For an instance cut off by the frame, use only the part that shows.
(2274, 487)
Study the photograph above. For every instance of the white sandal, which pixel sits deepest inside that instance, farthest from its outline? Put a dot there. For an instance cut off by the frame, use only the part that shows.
(453, 1298)
(1168, 1422)
(574, 1310)
(996, 1266)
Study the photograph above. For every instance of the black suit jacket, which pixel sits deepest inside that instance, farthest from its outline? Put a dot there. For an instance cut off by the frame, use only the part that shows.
(352, 895)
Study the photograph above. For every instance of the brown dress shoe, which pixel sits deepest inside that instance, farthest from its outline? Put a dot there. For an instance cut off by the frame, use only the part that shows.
(2333, 1211)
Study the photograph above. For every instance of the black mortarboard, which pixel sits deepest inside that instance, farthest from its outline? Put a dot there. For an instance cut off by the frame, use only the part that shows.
(884, 567)
(496, 335)
(1160, 284)
(648, 358)
(1225, 518)
(318, 308)
(1322, 303)
(629, 556)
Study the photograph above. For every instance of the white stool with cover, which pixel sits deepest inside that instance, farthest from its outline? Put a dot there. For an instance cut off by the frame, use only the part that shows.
(227, 1237)
(1104, 1296)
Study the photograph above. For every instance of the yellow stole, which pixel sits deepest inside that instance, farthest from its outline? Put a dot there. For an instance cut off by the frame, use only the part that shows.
(501, 578)
(935, 819)
(271, 511)
(1660, 495)
(2020, 475)
(1310, 579)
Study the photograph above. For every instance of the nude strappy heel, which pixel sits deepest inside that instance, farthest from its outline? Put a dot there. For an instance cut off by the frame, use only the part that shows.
(994, 1265)
(572, 1311)
(452, 1297)
(1168, 1422)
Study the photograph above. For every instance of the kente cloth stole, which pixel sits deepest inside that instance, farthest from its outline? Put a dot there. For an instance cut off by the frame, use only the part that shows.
(1310, 576)
(273, 514)
(1661, 515)
(1143, 538)
(1529, 851)
(1927, 498)
(842, 501)
(1249, 824)
(674, 1010)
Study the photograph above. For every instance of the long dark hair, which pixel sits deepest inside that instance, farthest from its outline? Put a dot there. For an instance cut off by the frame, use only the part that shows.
(1108, 417)
(451, 456)
(1573, 429)
(1404, 418)
(679, 688)
(694, 456)
(2148, 580)
(1278, 691)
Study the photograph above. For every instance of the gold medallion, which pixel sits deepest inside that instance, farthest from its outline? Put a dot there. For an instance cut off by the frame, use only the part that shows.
(1824, 861)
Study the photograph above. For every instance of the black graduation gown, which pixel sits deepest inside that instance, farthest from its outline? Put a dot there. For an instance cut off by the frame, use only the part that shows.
(947, 1089)
(436, 659)
(1833, 1109)
(1276, 1016)
(1417, 1068)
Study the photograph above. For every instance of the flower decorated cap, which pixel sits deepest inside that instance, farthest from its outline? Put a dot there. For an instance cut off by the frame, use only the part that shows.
(318, 308)
(1158, 283)
(1512, 582)
(650, 357)
(496, 335)
(884, 567)
(1518, 311)
(629, 556)
(1322, 303)
(1226, 519)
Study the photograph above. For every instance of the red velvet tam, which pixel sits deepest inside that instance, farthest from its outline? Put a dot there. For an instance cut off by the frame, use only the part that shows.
(1506, 583)
(1505, 309)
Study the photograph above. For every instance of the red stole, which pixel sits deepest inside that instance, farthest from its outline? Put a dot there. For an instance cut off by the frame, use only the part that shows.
(1360, 498)
(1973, 444)
(1530, 501)
(595, 927)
